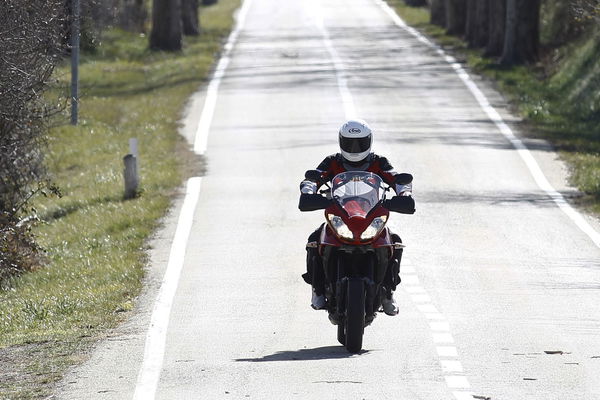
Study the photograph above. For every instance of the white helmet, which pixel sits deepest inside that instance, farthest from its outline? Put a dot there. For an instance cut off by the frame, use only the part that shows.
(355, 140)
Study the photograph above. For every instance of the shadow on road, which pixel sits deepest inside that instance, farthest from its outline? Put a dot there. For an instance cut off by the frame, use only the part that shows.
(319, 353)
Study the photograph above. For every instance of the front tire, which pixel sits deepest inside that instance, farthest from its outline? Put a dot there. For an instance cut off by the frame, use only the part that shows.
(355, 315)
(341, 334)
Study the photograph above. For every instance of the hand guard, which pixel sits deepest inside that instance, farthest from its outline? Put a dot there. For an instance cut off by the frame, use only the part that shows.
(400, 204)
(312, 202)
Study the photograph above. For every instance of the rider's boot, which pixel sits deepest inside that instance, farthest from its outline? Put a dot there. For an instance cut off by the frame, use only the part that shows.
(389, 305)
(317, 301)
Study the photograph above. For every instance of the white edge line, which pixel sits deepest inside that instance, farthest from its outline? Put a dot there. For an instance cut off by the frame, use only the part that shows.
(154, 347)
(495, 117)
(210, 102)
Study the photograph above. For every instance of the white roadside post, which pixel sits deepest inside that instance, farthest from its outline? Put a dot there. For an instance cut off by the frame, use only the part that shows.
(130, 173)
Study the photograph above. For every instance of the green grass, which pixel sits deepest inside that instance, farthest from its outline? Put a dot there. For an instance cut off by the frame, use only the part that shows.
(96, 241)
(558, 97)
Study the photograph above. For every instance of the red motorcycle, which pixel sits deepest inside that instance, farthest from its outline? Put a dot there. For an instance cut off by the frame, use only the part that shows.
(355, 246)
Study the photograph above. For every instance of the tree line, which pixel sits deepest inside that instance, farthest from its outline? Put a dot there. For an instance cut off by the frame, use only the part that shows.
(170, 19)
(508, 29)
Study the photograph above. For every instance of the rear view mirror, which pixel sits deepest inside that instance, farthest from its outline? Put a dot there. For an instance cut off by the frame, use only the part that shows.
(403, 179)
(313, 175)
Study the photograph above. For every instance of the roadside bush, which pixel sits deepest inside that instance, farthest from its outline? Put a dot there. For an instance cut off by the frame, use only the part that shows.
(563, 21)
(18, 249)
(29, 50)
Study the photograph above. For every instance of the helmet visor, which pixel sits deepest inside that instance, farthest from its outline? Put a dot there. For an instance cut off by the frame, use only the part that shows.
(355, 145)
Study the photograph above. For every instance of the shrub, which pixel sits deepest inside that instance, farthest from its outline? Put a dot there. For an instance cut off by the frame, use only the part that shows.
(29, 50)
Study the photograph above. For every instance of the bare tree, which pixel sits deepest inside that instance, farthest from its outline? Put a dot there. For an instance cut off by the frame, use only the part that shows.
(438, 12)
(415, 3)
(456, 16)
(522, 37)
(167, 30)
(477, 29)
(132, 15)
(29, 50)
(189, 17)
(497, 27)
(471, 20)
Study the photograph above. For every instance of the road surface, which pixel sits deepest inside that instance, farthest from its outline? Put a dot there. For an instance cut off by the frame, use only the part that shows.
(500, 294)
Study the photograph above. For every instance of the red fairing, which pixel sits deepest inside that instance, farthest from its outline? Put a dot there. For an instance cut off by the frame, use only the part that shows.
(357, 224)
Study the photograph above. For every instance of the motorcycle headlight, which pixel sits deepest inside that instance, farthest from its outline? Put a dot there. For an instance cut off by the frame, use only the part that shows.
(340, 227)
(373, 229)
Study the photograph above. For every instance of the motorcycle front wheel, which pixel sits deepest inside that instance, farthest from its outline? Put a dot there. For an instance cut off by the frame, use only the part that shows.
(341, 334)
(354, 323)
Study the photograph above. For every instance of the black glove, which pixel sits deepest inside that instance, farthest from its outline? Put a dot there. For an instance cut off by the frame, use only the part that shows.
(400, 204)
(312, 202)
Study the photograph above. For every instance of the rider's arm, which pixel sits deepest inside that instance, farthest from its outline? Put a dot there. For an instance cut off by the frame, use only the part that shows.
(310, 187)
(387, 173)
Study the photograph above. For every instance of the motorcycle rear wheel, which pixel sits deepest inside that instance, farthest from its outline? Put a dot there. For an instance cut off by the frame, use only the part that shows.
(354, 322)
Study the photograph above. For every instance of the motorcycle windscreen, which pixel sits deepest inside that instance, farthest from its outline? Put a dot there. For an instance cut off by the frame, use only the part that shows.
(357, 192)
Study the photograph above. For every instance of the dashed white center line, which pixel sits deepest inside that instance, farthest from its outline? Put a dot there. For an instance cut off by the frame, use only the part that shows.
(439, 326)
(420, 298)
(457, 382)
(410, 280)
(446, 351)
(434, 316)
(427, 308)
(410, 289)
(442, 338)
(451, 367)
(463, 395)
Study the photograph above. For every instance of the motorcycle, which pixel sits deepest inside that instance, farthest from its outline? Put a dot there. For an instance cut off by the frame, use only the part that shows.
(355, 246)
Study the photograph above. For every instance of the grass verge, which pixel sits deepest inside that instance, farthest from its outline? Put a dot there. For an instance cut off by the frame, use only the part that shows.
(559, 98)
(95, 240)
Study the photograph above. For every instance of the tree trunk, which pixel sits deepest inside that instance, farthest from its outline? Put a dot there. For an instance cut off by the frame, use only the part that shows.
(528, 30)
(189, 17)
(456, 16)
(438, 12)
(415, 3)
(470, 25)
(508, 52)
(482, 23)
(132, 15)
(497, 28)
(522, 38)
(166, 25)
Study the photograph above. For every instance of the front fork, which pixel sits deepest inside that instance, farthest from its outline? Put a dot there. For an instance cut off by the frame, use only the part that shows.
(337, 309)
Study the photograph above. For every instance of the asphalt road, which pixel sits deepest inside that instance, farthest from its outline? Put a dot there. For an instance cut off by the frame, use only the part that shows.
(496, 275)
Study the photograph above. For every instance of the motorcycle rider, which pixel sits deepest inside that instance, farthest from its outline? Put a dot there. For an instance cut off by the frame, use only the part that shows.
(355, 140)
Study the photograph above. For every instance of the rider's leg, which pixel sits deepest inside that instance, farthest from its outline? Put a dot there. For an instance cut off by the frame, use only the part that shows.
(392, 279)
(314, 271)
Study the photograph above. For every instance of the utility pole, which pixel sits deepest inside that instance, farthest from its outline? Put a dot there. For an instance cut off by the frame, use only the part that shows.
(75, 27)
